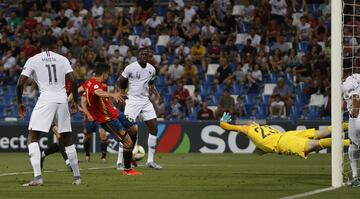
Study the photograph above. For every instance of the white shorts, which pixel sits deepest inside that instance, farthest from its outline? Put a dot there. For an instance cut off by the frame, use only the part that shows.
(45, 113)
(145, 109)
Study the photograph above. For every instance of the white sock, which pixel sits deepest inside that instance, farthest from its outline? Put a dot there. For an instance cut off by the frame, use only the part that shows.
(73, 159)
(35, 156)
(43, 154)
(120, 154)
(67, 161)
(151, 146)
(353, 165)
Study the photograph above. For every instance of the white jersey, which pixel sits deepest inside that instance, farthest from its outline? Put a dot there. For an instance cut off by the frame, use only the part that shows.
(351, 86)
(48, 69)
(139, 80)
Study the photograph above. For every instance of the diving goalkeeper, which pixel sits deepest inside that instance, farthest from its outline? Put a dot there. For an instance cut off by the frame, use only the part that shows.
(270, 140)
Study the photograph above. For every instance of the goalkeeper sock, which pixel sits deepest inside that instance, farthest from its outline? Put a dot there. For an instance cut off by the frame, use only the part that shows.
(35, 156)
(151, 147)
(72, 155)
(53, 148)
(326, 143)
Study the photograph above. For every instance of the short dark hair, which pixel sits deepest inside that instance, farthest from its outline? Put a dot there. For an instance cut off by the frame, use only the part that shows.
(101, 68)
(142, 49)
(47, 41)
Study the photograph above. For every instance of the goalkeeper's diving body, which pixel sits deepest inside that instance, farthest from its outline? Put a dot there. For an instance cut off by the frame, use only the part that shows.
(270, 140)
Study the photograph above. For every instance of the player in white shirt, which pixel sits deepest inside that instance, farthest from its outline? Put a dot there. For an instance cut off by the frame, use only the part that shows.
(351, 93)
(49, 70)
(141, 76)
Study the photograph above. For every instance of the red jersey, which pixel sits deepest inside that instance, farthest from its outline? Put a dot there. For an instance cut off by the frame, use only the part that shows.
(100, 108)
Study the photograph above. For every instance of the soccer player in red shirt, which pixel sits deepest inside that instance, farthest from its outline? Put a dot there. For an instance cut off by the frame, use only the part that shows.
(107, 115)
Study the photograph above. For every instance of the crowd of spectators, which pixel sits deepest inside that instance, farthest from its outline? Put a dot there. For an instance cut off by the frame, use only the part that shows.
(227, 50)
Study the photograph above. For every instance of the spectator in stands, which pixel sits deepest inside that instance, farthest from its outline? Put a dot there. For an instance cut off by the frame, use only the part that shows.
(14, 22)
(9, 63)
(196, 97)
(143, 41)
(317, 99)
(224, 74)
(304, 32)
(115, 62)
(291, 30)
(146, 5)
(130, 58)
(325, 110)
(255, 38)
(277, 61)
(314, 43)
(123, 48)
(263, 60)
(80, 72)
(182, 51)
(304, 70)
(29, 89)
(123, 24)
(321, 30)
(278, 10)
(285, 93)
(292, 60)
(175, 110)
(181, 94)
(189, 13)
(248, 49)
(159, 106)
(190, 76)
(175, 41)
(3, 76)
(198, 52)
(153, 23)
(226, 104)
(273, 30)
(240, 74)
(277, 107)
(214, 51)
(207, 32)
(280, 44)
(97, 10)
(205, 113)
(176, 71)
(239, 107)
(192, 32)
(298, 5)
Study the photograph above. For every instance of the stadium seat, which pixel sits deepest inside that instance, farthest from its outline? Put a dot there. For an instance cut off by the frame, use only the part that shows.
(236, 89)
(190, 88)
(313, 112)
(163, 40)
(289, 79)
(240, 38)
(219, 89)
(244, 27)
(161, 10)
(273, 77)
(167, 99)
(302, 46)
(265, 99)
(212, 68)
(137, 29)
(171, 89)
(214, 100)
(160, 80)
(133, 39)
(209, 79)
(294, 113)
(238, 10)
(204, 91)
(250, 99)
(268, 89)
(10, 111)
(239, 47)
(261, 112)
(159, 50)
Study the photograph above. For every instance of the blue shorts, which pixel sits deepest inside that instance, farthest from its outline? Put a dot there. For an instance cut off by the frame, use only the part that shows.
(125, 121)
(92, 126)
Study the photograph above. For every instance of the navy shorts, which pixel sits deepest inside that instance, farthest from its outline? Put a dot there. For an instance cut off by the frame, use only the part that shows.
(91, 126)
(125, 121)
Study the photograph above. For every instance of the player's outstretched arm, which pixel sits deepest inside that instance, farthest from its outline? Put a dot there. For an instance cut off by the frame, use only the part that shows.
(103, 94)
(19, 91)
(224, 123)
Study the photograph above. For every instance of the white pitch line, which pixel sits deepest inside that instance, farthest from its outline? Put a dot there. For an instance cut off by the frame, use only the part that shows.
(310, 193)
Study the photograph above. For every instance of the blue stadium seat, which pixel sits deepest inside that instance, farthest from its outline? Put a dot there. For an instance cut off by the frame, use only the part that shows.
(261, 112)
(200, 70)
(244, 27)
(302, 46)
(219, 89)
(237, 89)
(159, 50)
(171, 89)
(294, 113)
(10, 111)
(250, 99)
(313, 112)
(209, 79)
(161, 10)
(204, 90)
(160, 80)
(137, 30)
(273, 77)
(289, 77)
(167, 99)
(214, 100)
(240, 47)
(265, 99)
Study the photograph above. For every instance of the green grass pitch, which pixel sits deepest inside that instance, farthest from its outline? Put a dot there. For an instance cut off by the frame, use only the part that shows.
(184, 176)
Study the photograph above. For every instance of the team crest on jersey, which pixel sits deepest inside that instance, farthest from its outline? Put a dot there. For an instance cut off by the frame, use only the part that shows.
(137, 75)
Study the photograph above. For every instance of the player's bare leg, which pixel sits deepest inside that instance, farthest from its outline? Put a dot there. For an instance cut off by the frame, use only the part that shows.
(87, 137)
(152, 141)
(103, 143)
(72, 156)
(35, 158)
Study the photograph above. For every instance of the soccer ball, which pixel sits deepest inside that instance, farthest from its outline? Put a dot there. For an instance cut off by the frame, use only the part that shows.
(138, 152)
